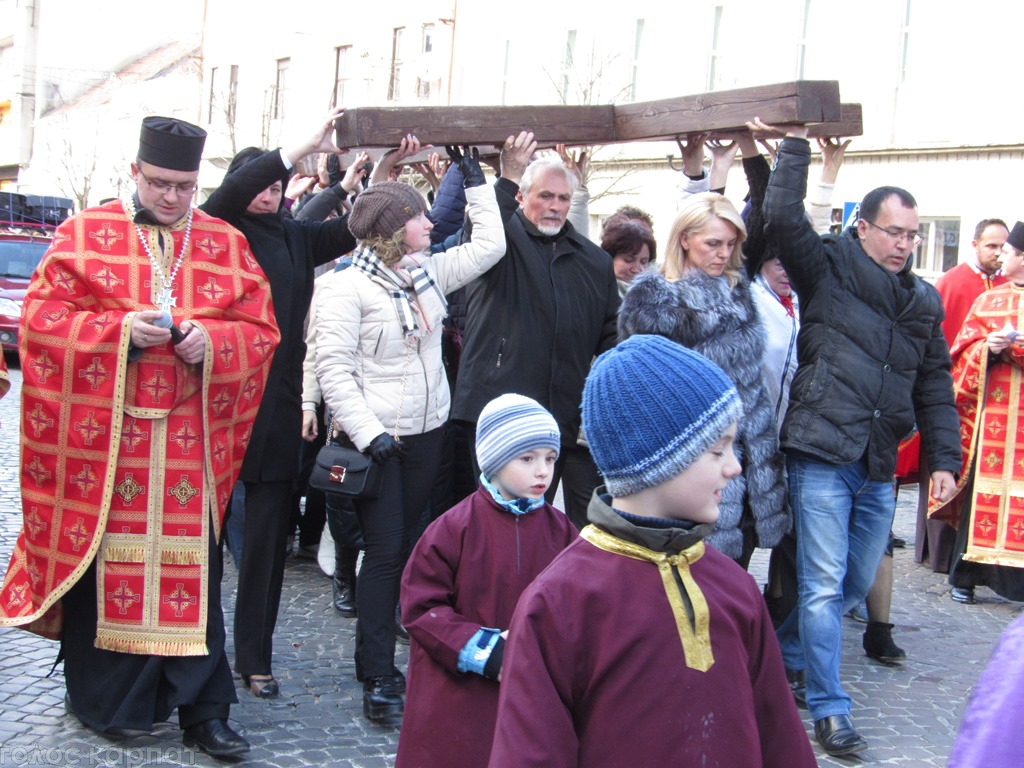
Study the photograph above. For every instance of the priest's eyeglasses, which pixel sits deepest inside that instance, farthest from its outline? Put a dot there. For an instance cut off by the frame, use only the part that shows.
(898, 235)
(162, 187)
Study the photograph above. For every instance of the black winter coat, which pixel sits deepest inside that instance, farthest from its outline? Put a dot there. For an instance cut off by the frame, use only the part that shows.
(536, 320)
(288, 251)
(872, 357)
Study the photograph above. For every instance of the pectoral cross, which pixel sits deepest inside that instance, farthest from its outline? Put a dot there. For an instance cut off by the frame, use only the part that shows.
(165, 299)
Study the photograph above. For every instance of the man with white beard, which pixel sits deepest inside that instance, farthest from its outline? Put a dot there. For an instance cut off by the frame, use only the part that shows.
(536, 320)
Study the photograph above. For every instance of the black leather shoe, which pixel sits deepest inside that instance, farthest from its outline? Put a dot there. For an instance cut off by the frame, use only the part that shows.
(344, 595)
(963, 595)
(879, 645)
(215, 737)
(798, 685)
(837, 736)
(382, 701)
(262, 686)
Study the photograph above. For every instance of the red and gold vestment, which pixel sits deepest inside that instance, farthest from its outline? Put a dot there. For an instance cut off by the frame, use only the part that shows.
(989, 391)
(132, 463)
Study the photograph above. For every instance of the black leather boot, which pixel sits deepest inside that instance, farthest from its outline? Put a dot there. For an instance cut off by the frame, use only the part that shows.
(382, 701)
(344, 580)
(879, 645)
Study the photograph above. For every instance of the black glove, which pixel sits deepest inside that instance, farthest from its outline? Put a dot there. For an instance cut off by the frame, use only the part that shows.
(468, 161)
(384, 446)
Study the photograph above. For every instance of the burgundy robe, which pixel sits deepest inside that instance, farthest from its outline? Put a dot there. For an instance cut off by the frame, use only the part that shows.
(466, 572)
(594, 672)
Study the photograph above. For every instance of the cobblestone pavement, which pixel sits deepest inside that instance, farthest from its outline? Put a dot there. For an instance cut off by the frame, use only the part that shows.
(909, 713)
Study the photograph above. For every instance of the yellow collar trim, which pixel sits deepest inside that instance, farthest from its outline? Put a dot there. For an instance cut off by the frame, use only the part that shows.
(695, 636)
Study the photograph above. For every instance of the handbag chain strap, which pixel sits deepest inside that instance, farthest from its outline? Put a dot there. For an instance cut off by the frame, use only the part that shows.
(401, 395)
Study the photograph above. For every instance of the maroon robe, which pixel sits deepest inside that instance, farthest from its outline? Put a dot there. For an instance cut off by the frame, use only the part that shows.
(595, 676)
(466, 572)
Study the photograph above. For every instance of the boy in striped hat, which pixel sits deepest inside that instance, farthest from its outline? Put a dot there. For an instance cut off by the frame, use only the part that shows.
(463, 580)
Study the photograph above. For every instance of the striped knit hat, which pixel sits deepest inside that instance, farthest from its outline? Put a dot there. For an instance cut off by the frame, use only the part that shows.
(509, 426)
(639, 441)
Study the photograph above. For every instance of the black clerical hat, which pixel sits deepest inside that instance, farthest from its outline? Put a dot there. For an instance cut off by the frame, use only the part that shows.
(167, 142)
(1016, 238)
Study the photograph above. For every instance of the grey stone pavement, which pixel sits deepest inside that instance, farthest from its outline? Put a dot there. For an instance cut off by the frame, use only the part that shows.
(909, 713)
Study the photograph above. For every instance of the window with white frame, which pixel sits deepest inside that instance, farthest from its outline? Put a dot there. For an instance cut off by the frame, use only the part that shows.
(940, 244)
(341, 56)
(281, 87)
(395, 81)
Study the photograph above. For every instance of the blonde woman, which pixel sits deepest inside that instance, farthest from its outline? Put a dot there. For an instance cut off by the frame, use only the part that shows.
(701, 299)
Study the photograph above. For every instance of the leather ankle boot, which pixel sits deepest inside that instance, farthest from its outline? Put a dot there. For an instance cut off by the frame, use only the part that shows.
(879, 645)
(344, 581)
(382, 701)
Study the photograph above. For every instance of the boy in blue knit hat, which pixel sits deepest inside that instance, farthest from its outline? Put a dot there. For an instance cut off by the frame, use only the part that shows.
(462, 582)
(639, 644)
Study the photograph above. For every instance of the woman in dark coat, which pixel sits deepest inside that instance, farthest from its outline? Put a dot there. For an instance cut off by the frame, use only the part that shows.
(702, 300)
(250, 198)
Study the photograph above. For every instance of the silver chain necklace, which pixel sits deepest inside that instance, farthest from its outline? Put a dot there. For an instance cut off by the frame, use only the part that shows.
(165, 299)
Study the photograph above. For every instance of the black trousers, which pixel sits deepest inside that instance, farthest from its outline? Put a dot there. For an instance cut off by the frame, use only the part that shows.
(388, 523)
(126, 690)
(261, 575)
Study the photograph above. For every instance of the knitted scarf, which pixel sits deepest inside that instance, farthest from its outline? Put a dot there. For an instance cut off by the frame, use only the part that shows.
(403, 286)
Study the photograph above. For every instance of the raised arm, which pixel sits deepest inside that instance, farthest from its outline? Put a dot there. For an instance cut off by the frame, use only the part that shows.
(801, 250)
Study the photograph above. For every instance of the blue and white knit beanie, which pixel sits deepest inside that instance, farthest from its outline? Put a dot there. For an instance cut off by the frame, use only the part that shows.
(639, 441)
(509, 426)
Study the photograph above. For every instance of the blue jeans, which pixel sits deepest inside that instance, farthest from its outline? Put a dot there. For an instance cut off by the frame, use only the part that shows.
(842, 520)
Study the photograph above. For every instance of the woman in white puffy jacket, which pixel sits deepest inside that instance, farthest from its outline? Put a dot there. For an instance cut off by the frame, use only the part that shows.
(378, 360)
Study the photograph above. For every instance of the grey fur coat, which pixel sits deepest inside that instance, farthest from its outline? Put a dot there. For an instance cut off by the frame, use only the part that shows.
(701, 312)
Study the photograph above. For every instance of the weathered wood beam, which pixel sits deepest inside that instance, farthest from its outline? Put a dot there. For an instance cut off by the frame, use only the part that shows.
(802, 101)
(387, 126)
(851, 123)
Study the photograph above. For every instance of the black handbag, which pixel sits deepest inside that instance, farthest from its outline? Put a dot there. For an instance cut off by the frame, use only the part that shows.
(347, 472)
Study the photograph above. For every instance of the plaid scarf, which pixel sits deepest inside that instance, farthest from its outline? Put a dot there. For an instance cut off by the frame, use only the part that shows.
(398, 283)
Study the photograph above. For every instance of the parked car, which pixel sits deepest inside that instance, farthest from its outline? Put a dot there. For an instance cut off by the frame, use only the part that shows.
(10, 313)
(21, 249)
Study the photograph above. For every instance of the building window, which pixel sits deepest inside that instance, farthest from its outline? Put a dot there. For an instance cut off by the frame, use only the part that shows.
(233, 94)
(213, 95)
(428, 38)
(422, 88)
(713, 56)
(637, 46)
(567, 64)
(505, 72)
(394, 83)
(801, 56)
(939, 246)
(341, 54)
(281, 87)
(905, 44)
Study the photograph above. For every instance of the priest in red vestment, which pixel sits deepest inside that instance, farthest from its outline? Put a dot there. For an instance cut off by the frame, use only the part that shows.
(146, 338)
(958, 287)
(988, 507)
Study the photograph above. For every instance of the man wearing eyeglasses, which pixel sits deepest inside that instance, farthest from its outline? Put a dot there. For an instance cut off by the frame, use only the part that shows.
(146, 340)
(872, 360)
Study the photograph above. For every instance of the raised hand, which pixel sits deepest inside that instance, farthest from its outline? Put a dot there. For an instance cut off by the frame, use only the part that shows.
(515, 155)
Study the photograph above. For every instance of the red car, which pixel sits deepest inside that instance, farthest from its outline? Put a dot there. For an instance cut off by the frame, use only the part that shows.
(21, 248)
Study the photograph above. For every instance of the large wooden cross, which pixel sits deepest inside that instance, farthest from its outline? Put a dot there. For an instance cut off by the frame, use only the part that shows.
(815, 102)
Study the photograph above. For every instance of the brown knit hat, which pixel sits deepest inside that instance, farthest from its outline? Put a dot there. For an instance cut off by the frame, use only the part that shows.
(383, 209)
